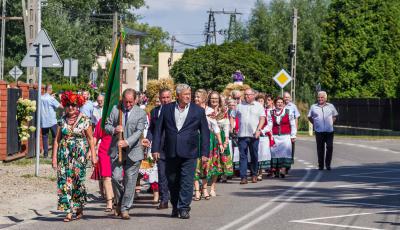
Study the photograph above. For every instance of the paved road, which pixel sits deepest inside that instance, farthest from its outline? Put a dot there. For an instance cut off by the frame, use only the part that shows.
(361, 192)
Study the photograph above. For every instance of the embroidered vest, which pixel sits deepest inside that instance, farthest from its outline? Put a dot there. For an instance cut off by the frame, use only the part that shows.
(283, 128)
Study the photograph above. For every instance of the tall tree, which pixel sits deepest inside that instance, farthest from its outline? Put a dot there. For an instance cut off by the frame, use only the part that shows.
(270, 29)
(211, 67)
(362, 48)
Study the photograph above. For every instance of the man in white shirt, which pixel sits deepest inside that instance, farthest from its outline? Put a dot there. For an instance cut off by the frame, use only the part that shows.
(97, 110)
(287, 98)
(251, 116)
(48, 117)
(322, 115)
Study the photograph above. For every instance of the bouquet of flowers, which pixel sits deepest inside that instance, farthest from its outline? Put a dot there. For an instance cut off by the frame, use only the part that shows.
(25, 108)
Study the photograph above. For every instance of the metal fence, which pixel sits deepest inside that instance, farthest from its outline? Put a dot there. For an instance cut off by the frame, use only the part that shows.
(32, 139)
(13, 143)
(368, 113)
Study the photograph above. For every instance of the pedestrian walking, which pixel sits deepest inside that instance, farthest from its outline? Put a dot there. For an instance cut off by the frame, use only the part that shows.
(103, 140)
(287, 98)
(251, 116)
(182, 123)
(72, 147)
(125, 173)
(283, 126)
(97, 110)
(48, 117)
(323, 115)
(220, 157)
(165, 97)
(88, 107)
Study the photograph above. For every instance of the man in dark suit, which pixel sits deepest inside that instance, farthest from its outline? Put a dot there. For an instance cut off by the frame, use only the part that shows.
(165, 97)
(182, 122)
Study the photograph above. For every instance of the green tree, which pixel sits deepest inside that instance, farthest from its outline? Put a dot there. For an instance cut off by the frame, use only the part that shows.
(361, 48)
(270, 30)
(211, 67)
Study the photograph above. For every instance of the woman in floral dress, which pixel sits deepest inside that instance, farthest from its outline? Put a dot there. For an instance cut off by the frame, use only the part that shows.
(202, 170)
(70, 153)
(220, 162)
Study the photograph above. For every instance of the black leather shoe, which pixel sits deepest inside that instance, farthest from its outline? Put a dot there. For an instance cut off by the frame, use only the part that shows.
(162, 206)
(328, 167)
(175, 213)
(184, 214)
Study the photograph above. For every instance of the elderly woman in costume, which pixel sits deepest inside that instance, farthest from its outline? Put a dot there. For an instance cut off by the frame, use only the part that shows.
(283, 125)
(72, 147)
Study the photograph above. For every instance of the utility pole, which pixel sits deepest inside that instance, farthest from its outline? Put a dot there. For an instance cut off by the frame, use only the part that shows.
(171, 57)
(3, 36)
(232, 23)
(115, 30)
(293, 53)
(210, 32)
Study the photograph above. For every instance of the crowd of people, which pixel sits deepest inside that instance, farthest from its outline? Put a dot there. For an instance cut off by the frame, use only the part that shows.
(181, 148)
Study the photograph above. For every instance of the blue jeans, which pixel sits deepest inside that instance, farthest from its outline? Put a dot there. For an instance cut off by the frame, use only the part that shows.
(45, 138)
(245, 144)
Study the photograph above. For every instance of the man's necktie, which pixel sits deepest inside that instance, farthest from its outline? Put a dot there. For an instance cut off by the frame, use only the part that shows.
(126, 116)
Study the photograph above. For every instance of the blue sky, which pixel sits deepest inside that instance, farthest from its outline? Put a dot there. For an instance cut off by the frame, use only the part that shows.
(186, 19)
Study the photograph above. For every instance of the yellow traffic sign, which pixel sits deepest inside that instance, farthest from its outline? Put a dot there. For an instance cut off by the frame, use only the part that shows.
(282, 78)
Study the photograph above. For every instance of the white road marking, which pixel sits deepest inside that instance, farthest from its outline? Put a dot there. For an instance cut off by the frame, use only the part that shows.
(361, 197)
(338, 225)
(360, 203)
(361, 146)
(367, 147)
(313, 220)
(262, 207)
(281, 205)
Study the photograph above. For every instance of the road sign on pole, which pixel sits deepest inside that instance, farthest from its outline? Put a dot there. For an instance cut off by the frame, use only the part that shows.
(282, 78)
(70, 68)
(15, 72)
(41, 54)
(50, 55)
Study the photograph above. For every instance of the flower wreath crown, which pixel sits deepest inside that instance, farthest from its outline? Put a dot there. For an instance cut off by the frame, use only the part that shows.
(70, 98)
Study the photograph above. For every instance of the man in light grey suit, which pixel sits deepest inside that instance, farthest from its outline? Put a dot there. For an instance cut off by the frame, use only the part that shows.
(133, 124)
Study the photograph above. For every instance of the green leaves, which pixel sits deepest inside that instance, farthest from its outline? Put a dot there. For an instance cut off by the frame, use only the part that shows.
(361, 47)
(211, 67)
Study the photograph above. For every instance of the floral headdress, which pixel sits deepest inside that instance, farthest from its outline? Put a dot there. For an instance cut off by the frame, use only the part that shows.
(70, 98)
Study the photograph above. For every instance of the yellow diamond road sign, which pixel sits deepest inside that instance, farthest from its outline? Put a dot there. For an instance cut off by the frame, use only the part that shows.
(282, 78)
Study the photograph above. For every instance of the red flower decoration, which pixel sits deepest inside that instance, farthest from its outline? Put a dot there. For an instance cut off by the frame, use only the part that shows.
(70, 98)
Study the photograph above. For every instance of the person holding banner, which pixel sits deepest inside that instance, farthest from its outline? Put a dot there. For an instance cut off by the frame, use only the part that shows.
(125, 173)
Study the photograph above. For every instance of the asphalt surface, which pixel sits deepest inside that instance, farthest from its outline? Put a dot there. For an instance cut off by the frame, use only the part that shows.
(361, 192)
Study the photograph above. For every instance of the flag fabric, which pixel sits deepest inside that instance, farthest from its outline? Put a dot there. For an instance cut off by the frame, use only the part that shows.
(113, 85)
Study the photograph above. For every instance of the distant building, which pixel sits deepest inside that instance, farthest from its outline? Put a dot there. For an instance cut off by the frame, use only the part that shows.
(163, 60)
(131, 63)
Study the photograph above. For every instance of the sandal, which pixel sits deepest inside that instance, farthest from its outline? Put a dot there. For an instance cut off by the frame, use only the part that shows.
(107, 209)
(206, 197)
(68, 217)
(197, 195)
(79, 213)
(213, 193)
